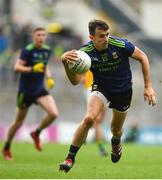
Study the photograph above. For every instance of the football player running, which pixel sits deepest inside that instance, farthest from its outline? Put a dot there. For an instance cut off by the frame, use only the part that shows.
(33, 69)
(112, 85)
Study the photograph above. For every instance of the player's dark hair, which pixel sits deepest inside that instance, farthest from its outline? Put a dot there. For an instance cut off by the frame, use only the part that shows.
(97, 24)
(38, 29)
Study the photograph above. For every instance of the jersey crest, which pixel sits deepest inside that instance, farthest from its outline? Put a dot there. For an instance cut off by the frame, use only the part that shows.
(114, 55)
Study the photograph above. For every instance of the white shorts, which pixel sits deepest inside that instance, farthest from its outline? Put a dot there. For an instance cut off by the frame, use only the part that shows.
(101, 96)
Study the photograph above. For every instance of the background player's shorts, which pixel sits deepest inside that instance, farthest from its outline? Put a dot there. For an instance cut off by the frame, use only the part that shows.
(119, 101)
(26, 100)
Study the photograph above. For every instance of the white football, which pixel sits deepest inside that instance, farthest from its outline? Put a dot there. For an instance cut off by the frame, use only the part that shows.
(82, 64)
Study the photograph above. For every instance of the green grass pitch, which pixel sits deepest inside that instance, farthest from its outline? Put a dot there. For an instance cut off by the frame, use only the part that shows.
(137, 162)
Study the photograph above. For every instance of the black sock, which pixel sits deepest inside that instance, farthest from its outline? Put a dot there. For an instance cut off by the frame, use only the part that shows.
(7, 145)
(72, 152)
(38, 131)
(115, 141)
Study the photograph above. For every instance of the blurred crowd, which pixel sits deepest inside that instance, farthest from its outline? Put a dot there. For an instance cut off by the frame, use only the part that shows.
(19, 35)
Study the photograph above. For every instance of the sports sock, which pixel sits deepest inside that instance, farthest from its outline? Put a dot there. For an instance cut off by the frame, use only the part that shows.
(7, 145)
(115, 141)
(72, 152)
(101, 146)
(38, 131)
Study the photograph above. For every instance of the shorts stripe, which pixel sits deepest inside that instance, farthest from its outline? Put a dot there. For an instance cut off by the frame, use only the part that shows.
(20, 99)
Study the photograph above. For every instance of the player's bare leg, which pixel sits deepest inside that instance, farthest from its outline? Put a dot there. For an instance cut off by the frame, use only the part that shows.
(117, 122)
(94, 107)
(20, 116)
(49, 105)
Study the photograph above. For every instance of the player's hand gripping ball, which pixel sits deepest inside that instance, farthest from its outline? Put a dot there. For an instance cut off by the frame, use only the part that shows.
(82, 64)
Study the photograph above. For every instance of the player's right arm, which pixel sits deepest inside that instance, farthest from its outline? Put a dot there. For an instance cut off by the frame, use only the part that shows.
(21, 68)
(21, 63)
(149, 93)
(70, 56)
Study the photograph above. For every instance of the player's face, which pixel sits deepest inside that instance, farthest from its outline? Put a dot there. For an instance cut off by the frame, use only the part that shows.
(39, 37)
(100, 39)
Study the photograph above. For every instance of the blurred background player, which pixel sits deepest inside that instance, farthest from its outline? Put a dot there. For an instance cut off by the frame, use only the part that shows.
(33, 69)
(87, 80)
(112, 85)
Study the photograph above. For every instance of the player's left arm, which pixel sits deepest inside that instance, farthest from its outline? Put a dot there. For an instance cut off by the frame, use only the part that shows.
(50, 82)
(149, 93)
(47, 72)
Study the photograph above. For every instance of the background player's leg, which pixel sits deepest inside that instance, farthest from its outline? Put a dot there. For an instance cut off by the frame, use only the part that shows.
(49, 105)
(98, 132)
(20, 116)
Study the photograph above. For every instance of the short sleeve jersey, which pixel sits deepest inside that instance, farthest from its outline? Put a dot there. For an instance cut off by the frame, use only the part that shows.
(33, 83)
(110, 67)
